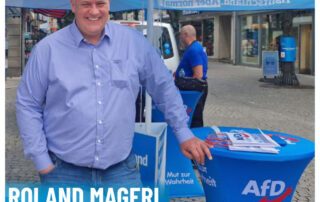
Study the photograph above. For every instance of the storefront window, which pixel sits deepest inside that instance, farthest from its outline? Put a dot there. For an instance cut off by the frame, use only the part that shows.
(208, 36)
(301, 30)
(270, 26)
(249, 40)
(306, 49)
(205, 33)
(270, 31)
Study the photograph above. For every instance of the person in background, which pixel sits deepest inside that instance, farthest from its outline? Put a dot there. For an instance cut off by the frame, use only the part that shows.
(76, 100)
(194, 64)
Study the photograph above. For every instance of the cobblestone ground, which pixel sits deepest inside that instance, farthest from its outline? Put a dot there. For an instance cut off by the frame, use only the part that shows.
(235, 98)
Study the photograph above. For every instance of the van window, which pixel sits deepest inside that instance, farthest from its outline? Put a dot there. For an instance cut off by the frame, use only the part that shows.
(161, 39)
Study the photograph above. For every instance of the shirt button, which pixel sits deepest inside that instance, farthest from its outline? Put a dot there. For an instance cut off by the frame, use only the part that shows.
(98, 141)
(97, 66)
(98, 83)
(99, 102)
(100, 122)
(97, 158)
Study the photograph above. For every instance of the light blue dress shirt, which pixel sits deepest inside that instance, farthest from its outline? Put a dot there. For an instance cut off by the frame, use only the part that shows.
(78, 100)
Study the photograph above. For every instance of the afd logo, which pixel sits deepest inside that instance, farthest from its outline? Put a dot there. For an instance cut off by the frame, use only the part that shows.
(268, 188)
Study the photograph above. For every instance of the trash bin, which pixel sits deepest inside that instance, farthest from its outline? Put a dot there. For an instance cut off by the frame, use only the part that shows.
(287, 49)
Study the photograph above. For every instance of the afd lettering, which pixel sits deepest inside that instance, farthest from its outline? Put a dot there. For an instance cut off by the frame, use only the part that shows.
(142, 160)
(274, 188)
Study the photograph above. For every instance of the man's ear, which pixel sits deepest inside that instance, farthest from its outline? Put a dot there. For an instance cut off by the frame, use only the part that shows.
(108, 2)
(73, 5)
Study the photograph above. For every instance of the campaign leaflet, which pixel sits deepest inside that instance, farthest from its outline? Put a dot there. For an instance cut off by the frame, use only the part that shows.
(243, 141)
(258, 149)
(249, 139)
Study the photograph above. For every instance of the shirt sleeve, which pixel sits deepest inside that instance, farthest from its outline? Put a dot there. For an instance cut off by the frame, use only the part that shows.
(195, 58)
(160, 85)
(30, 101)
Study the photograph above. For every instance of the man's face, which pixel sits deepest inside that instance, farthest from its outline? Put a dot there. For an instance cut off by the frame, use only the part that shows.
(91, 16)
(182, 37)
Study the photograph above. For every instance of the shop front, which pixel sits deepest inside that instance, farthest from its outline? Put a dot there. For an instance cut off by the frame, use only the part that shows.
(204, 25)
(260, 32)
(214, 31)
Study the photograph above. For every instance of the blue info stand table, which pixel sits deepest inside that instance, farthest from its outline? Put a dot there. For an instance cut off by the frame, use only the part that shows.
(234, 176)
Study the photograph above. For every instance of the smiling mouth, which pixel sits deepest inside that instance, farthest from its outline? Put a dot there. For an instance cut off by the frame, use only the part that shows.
(93, 19)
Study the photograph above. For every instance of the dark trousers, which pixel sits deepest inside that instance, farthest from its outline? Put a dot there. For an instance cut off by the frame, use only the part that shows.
(192, 84)
(197, 119)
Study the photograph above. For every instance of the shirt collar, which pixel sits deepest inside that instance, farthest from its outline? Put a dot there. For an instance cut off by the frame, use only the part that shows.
(78, 37)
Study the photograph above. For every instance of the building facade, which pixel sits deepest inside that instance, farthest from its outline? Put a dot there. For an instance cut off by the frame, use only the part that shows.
(234, 37)
(24, 28)
(258, 32)
(241, 37)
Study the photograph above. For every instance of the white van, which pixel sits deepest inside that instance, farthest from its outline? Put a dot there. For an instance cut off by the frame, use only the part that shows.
(164, 39)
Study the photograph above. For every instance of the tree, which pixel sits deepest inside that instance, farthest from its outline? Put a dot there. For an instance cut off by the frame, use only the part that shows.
(288, 75)
(174, 17)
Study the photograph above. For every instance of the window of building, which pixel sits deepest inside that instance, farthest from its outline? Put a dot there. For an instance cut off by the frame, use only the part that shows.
(249, 40)
(271, 29)
(208, 36)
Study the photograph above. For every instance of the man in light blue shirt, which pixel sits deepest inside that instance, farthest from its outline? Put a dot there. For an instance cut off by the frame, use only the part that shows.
(76, 99)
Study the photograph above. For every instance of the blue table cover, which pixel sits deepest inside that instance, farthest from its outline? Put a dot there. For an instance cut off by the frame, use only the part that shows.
(237, 176)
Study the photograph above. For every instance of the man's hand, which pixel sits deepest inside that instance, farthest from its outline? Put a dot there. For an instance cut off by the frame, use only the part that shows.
(196, 149)
(47, 170)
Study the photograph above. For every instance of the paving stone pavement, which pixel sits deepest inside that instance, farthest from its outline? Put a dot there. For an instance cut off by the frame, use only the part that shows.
(235, 98)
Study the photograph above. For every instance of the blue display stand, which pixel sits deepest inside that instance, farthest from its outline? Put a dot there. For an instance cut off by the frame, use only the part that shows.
(270, 63)
(151, 158)
(181, 180)
(247, 176)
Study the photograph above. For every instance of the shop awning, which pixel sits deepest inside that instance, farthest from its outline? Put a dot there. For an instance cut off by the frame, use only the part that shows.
(204, 5)
(52, 4)
(116, 5)
(51, 12)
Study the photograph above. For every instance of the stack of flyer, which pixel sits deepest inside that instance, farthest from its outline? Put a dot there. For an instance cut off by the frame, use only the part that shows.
(242, 141)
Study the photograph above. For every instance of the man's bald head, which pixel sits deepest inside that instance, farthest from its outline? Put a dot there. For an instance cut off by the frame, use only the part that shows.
(188, 34)
(189, 30)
